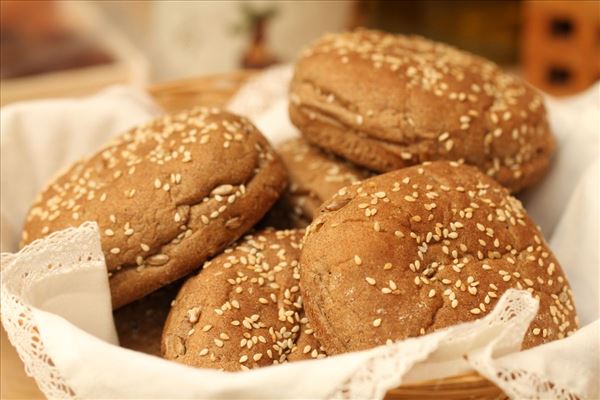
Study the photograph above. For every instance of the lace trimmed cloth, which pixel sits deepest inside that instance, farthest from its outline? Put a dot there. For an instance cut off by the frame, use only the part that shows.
(63, 279)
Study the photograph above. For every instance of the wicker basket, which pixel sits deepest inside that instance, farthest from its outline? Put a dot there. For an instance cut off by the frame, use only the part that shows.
(216, 90)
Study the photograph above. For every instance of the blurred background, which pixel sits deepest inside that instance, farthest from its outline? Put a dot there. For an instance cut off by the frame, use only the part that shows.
(58, 48)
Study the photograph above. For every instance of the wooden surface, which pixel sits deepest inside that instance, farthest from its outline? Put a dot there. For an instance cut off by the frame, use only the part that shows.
(14, 383)
(215, 91)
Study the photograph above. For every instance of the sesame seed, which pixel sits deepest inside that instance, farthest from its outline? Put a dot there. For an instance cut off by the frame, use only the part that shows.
(377, 322)
(193, 314)
(357, 260)
(115, 250)
(370, 281)
(475, 311)
(158, 259)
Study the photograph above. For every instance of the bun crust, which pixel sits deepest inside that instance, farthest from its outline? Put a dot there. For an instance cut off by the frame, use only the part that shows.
(314, 177)
(167, 196)
(244, 309)
(386, 102)
(422, 248)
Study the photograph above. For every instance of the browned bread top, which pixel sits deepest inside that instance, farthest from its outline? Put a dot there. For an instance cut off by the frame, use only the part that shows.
(166, 195)
(244, 309)
(422, 248)
(388, 101)
(314, 175)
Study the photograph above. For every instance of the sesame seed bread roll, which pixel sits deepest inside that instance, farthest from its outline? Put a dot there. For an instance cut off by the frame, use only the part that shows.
(314, 176)
(244, 309)
(387, 101)
(422, 248)
(167, 196)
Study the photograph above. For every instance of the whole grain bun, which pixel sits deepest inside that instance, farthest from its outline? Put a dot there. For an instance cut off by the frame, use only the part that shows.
(422, 248)
(244, 309)
(314, 175)
(167, 196)
(386, 102)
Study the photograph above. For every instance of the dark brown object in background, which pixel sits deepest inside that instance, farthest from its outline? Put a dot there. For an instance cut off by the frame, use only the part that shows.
(257, 55)
(560, 45)
(487, 28)
(34, 39)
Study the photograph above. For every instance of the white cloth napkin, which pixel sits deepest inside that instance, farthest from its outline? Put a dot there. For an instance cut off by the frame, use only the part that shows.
(39, 138)
(63, 313)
